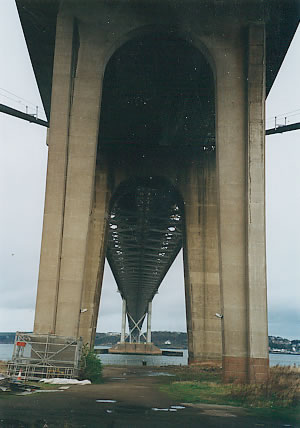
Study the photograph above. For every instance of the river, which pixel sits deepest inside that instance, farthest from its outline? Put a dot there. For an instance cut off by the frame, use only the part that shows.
(158, 360)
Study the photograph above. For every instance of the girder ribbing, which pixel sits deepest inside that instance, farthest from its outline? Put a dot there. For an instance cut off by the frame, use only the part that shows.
(145, 235)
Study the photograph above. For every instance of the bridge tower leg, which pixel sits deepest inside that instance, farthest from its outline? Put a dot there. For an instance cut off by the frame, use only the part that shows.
(258, 351)
(149, 318)
(201, 261)
(95, 255)
(123, 327)
(57, 140)
(241, 194)
(73, 141)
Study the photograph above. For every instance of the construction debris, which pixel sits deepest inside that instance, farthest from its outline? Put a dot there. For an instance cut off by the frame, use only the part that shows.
(61, 381)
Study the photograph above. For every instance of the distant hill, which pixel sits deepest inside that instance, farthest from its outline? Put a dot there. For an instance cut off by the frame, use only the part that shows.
(277, 343)
(162, 339)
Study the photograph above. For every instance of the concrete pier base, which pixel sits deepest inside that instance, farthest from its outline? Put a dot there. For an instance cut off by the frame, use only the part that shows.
(242, 369)
(135, 348)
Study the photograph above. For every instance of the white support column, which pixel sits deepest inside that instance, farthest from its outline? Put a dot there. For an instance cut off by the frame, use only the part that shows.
(136, 326)
(149, 317)
(123, 321)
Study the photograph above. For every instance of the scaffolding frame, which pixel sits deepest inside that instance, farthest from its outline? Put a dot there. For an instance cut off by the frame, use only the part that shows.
(45, 356)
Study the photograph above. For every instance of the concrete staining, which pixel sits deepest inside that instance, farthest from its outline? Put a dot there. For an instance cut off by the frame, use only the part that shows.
(183, 89)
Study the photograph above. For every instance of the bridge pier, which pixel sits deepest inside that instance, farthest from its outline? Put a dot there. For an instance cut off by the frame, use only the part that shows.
(137, 326)
(135, 346)
(149, 319)
(123, 327)
(57, 140)
(72, 141)
(95, 255)
(241, 195)
(84, 125)
(201, 260)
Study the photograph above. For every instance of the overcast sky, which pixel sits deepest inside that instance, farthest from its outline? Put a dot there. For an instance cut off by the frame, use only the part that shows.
(23, 162)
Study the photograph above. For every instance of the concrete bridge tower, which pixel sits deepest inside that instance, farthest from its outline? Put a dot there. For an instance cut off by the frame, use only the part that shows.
(156, 117)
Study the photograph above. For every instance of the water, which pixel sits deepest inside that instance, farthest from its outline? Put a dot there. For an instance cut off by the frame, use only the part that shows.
(137, 360)
(158, 360)
(284, 360)
(6, 351)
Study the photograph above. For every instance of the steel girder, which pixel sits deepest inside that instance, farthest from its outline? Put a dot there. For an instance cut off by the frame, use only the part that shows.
(145, 236)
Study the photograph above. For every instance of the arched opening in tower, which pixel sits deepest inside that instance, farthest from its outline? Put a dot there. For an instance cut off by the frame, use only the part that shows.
(157, 118)
(158, 92)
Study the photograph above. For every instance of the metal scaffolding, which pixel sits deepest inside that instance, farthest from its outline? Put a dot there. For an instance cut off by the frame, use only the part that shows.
(45, 356)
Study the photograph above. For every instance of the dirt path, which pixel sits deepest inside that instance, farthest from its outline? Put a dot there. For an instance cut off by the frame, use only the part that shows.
(137, 395)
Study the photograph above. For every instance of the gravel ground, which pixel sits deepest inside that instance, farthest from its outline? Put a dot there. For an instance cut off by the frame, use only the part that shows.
(135, 402)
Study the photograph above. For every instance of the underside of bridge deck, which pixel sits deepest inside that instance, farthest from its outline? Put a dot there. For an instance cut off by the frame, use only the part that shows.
(144, 237)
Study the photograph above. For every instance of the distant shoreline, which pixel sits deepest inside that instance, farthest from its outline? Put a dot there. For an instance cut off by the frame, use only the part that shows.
(174, 340)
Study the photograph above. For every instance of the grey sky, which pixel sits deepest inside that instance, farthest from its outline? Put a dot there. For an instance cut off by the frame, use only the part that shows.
(23, 162)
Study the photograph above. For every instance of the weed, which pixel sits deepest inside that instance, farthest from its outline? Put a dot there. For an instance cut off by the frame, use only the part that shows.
(208, 373)
(3, 366)
(90, 366)
(282, 389)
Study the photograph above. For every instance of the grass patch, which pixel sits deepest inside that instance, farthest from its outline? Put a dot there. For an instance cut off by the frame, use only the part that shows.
(209, 373)
(199, 392)
(279, 397)
(42, 385)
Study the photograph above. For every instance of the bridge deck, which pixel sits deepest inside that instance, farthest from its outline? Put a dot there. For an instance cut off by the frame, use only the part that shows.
(145, 235)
